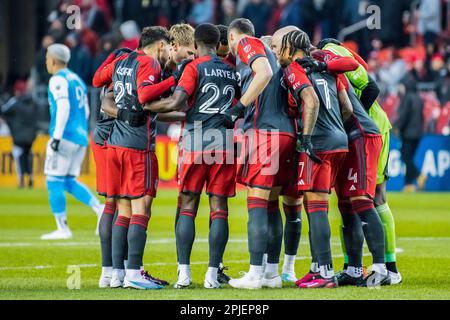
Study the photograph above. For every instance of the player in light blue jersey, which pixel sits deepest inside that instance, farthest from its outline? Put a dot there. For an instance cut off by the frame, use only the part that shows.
(69, 114)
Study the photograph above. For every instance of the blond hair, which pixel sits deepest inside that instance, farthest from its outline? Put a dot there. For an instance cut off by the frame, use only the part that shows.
(182, 34)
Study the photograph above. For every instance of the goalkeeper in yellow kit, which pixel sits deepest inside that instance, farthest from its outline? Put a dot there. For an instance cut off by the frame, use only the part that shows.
(368, 91)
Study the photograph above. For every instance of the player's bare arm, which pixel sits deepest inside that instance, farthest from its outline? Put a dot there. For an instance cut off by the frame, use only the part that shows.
(109, 105)
(310, 109)
(262, 76)
(175, 102)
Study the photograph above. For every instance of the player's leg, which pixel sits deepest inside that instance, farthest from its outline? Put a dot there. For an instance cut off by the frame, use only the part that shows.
(119, 241)
(57, 199)
(185, 236)
(374, 235)
(352, 240)
(105, 233)
(258, 234)
(56, 168)
(272, 277)
(383, 209)
(316, 206)
(387, 218)
(218, 238)
(292, 207)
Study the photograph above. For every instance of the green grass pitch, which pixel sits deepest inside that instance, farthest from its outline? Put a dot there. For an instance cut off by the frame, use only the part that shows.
(33, 269)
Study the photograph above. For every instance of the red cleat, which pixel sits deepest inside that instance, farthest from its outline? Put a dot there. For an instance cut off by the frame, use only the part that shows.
(307, 278)
(320, 282)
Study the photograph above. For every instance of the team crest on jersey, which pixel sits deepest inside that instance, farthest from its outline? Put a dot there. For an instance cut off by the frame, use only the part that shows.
(291, 78)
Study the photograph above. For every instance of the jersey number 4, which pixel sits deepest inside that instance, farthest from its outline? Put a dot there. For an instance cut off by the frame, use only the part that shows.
(210, 106)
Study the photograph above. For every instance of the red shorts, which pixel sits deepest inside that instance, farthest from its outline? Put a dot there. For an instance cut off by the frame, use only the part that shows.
(100, 158)
(132, 174)
(194, 173)
(267, 160)
(315, 177)
(358, 175)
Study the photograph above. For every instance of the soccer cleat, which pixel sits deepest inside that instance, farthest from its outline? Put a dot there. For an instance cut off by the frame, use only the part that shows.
(211, 284)
(248, 281)
(319, 282)
(141, 283)
(58, 235)
(288, 277)
(222, 277)
(272, 281)
(184, 282)
(117, 278)
(344, 279)
(105, 278)
(149, 277)
(375, 279)
(307, 278)
(396, 277)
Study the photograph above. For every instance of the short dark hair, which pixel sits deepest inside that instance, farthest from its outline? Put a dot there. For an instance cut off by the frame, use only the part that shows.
(223, 34)
(207, 34)
(244, 26)
(150, 35)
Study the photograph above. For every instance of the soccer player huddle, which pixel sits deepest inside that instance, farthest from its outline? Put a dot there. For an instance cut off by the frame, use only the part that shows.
(311, 123)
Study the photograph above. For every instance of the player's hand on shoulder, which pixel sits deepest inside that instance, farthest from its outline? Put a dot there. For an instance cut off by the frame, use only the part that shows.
(179, 69)
(54, 144)
(312, 65)
(132, 118)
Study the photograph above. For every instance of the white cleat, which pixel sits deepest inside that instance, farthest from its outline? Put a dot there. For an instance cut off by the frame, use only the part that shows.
(141, 283)
(248, 281)
(396, 278)
(183, 282)
(288, 277)
(58, 235)
(272, 281)
(211, 284)
(105, 278)
(117, 278)
(104, 282)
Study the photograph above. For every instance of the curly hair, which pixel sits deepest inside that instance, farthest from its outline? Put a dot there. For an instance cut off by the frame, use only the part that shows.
(182, 34)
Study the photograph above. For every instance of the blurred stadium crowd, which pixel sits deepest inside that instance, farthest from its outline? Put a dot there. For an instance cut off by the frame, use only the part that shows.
(409, 55)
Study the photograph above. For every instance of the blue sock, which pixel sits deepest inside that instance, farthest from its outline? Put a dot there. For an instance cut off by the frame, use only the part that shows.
(80, 192)
(56, 196)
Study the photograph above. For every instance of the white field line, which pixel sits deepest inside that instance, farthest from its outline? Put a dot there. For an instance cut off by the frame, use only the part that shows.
(39, 243)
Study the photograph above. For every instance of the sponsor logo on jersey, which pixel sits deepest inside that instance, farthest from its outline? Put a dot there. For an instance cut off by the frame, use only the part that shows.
(247, 48)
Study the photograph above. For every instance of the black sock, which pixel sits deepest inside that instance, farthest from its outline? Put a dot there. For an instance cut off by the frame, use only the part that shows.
(353, 234)
(311, 244)
(392, 266)
(258, 229)
(320, 230)
(177, 215)
(218, 237)
(275, 239)
(137, 237)
(372, 228)
(119, 241)
(105, 233)
(292, 228)
(185, 235)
